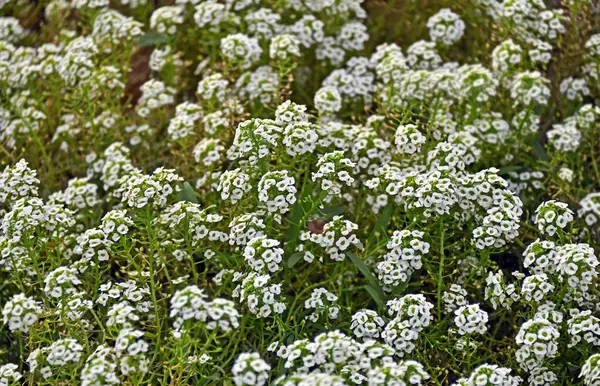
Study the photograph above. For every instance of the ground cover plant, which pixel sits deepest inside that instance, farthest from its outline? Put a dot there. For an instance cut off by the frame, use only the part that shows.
(299, 192)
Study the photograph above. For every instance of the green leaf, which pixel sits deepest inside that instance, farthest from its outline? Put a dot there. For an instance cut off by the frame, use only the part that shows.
(187, 193)
(373, 282)
(46, 193)
(331, 211)
(209, 380)
(399, 290)
(295, 220)
(294, 259)
(380, 226)
(151, 39)
(508, 169)
(539, 151)
(375, 295)
(226, 258)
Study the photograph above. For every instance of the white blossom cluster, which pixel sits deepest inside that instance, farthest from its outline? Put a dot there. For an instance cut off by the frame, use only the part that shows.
(322, 302)
(61, 353)
(250, 369)
(488, 375)
(411, 315)
(277, 191)
(590, 208)
(138, 190)
(408, 139)
(471, 319)
(336, 238)
(192, 304)
(21, 312)
(538, 340)
(263, 255)
(498, 292)
(590, 372)
(365, 363)
(445, 27)
(367, 324)
(406, 249)
(261, 298)
(552, 216)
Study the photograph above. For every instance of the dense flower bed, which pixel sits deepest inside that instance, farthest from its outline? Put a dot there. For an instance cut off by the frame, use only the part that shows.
(298, 192)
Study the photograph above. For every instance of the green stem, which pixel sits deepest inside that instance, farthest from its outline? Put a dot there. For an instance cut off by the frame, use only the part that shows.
(440, 278)
(153, 286)
(49, 167)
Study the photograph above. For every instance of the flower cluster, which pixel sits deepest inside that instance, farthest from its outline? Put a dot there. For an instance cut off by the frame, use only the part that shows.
(490, 375)
(336, 237)
(408, 139)
(553, 216)
(406, 249)
(21, 313)
(263, 255)
(538, 340)
(411, 314)
(323, 303)
(250, 369)
(445, 27)
(590, 372)
(277, 191)
(192, 304)
(470, 319)
(367, 324)
(260, 297)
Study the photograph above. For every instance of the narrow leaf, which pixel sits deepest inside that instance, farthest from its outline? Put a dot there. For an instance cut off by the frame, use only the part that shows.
(399, 290)
(294, 259)
(226, 258)
(295, 220)
(151, 39)
(375, 295)
(380, 226)
(188, 193)
(508, 169)
(539, 151)
(331, 211)
(373, 282)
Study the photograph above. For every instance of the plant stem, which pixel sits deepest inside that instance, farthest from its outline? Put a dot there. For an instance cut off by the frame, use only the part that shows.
(441, 271)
